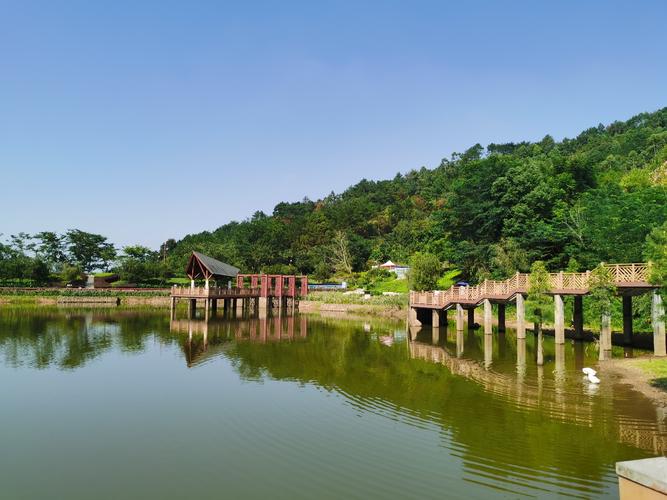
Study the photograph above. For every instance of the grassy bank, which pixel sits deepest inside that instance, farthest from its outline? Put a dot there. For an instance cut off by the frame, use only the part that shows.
(392, 301)
(654, 369)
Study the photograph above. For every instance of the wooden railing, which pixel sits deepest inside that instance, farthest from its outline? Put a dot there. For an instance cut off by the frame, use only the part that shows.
(213, 292)
(623, 275)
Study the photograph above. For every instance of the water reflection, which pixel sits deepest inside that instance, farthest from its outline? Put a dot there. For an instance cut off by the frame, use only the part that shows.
(503, 421)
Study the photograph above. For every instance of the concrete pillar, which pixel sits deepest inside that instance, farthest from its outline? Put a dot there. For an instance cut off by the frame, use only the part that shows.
(520, 317)
(658, 320)
(488, 351)
(559, 370)
(627, 320)
(501, 317)
(559, 319)
(459, 343)
(459, 318)
(578, 317)
(437, 318)
(471, 318)
(521, 357)
(207, 304)
(540, 344)
(412, 317)
(488, 317)
(605, 336)
(435, 336)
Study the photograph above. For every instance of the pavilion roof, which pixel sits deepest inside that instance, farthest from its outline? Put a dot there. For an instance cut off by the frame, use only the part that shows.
(203, 266)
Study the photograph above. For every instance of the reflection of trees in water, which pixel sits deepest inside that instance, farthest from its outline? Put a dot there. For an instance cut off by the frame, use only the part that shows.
(485, 430)
(67, 340)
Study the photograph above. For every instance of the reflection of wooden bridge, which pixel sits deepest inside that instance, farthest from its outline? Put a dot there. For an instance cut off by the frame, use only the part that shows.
(206, 338)
(556, 400)
(629, 280)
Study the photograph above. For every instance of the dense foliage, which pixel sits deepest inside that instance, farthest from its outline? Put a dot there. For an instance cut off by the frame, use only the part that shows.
(488, 212)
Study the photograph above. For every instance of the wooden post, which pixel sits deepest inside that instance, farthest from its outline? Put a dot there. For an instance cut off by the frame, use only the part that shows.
(488, 317)
(578, 317)
(627, 320)
(520, 317)
(173, 308)
(658, 320)
(559, 319)
(501, 317)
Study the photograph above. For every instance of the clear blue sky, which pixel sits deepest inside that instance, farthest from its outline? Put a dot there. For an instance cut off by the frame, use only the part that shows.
(149, 120)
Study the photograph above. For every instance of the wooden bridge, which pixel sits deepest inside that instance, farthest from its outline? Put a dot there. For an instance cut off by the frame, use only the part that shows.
(252, 291)
(629, 279)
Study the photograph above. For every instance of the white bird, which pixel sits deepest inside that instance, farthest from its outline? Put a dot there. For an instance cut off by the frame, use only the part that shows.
(593, 379)
(589, 371)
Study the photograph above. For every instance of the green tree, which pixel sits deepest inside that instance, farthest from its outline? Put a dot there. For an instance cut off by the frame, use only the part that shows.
(602, 291)
(539, 301)
(138, 264)
(425, 270)
(89, 251)
(656, 254)
(51, 249)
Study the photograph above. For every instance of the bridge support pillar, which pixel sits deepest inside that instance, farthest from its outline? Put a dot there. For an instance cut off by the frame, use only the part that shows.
(540, 344)
(471, 319)
(520, 317)
(605, 336)
(435, 335)
(412, 317)
(172, 309)
(658, 320)
(214, 305)
(501, 317)
(559, 319)
(488, 317)
(192, 308)
(459, 318)
(578, 317)
(627, 320)
(437, 316)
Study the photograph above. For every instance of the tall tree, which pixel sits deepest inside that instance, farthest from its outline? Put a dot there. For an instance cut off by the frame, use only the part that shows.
(89, 251)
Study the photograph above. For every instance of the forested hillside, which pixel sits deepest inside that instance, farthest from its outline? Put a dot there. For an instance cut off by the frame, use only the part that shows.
(488, 211)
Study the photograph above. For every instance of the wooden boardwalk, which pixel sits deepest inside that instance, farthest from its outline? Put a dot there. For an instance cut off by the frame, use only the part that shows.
(430, 308)
(629, 279)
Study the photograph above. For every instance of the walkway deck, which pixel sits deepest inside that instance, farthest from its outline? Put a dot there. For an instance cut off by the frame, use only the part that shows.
(630, 279)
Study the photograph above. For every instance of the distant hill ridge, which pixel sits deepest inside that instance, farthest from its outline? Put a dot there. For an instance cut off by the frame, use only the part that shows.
(488, 211)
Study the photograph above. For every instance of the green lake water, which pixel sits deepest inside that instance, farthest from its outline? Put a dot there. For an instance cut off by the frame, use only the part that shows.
(118, 403)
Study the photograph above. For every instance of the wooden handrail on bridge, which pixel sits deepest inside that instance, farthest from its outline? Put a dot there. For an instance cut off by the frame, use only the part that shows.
(624, 275)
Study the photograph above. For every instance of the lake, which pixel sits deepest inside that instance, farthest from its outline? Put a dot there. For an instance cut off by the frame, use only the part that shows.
(121, 403)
